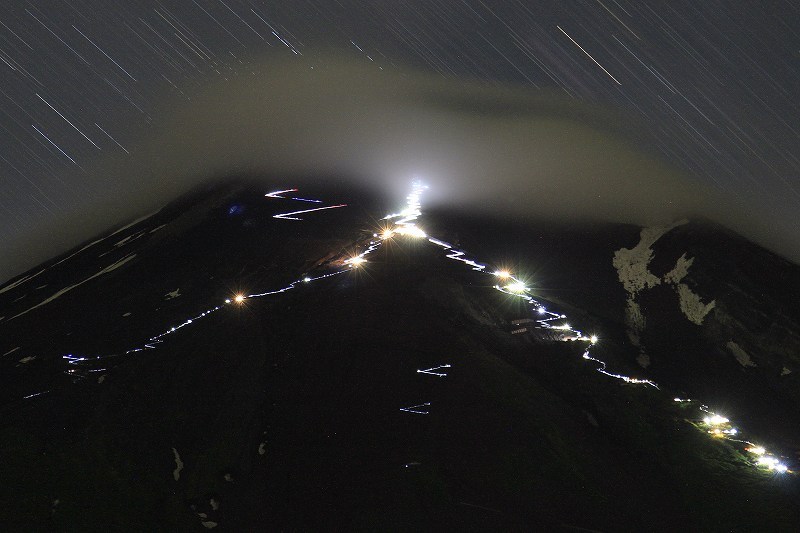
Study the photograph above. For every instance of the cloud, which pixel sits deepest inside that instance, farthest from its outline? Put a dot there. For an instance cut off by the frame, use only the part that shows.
(498, 150)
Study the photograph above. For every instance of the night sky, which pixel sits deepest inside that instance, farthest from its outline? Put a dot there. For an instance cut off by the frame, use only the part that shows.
(715, 84)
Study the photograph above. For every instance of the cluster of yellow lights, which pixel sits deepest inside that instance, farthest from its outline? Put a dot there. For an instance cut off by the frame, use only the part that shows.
(719, 427)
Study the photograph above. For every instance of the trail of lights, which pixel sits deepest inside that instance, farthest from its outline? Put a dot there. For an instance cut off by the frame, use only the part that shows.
(432, 371)
(626, 379)
(717, 425)
(512, 285)
(277, 194)
(417, 409)
(720, 427)
(81, 367)
(286, 216)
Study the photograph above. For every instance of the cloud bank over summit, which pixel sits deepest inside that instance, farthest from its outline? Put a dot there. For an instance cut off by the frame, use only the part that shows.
(498, 150)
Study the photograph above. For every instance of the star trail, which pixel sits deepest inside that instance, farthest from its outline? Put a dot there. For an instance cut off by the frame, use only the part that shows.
(714, 82)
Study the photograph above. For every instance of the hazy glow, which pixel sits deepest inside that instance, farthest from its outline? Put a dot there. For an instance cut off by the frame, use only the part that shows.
(517, 286)
(715, 420)
(410, 230)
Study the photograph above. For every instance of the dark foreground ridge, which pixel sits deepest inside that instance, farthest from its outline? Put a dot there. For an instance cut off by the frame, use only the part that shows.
(390, 395)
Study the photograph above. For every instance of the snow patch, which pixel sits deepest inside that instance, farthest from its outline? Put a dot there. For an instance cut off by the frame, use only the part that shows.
(680, 271)
(633, 270)
(173, 294)
(127, 314)
(101, 379)
(691, 305)
(785, 371)
(128, 239)
(214, 504)
(12, 350)
(208, 524)
(262, 448)
(632, 266)
(634, 319)
(140, 219)
(632, 263)
(106, 270)
(178, 465)
(19, 282)
(740, 355)
(26, 360)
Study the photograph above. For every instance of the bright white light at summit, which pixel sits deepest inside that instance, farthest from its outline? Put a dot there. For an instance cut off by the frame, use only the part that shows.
(410, 230)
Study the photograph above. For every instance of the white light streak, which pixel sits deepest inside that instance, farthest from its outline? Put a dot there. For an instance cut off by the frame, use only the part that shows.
(589, 56)
(54, 144)
(417, 409)
(432, 371)
(626, 379)
(67, 121)
(287, 216)
(277, 194)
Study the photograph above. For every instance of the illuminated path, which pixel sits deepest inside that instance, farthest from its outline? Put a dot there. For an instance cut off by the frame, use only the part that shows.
(716, 425)
(82, 367)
